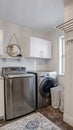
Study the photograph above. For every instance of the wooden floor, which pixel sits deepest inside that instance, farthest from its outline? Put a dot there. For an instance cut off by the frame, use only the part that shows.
(56, 117)
(53, 115)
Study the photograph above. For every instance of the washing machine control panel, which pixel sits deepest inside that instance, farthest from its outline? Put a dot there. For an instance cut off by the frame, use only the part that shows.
(44, 74)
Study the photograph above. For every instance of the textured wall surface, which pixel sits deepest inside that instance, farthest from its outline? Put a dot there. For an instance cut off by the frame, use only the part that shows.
(23, 34)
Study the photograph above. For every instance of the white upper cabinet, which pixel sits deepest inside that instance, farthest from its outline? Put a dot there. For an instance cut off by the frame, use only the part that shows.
(39, 48)
(1, 42)
(46, 48)
(35, 45)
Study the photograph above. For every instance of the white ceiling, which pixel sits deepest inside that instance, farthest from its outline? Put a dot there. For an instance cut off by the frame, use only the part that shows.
(40, 14)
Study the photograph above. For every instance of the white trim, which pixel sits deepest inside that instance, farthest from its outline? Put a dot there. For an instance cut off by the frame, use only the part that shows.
(68, 119)
(60, 55)
(61, 74)
(61, 37)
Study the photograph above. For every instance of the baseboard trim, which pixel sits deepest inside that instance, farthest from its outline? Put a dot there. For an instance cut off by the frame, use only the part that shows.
(68, 119)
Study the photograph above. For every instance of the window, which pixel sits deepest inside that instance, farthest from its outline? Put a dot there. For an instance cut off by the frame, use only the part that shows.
(1, 41)
(61, 55)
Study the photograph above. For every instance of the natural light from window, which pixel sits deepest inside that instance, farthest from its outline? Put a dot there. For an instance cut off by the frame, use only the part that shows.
(61, 55)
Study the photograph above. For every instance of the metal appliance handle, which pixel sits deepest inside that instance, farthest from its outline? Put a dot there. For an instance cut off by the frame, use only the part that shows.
(18, 76)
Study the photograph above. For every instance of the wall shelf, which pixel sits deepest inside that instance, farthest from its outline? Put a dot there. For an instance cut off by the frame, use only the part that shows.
(66, 26)
(11, 58)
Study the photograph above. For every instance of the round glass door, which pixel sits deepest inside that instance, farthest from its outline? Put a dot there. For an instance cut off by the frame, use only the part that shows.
(46, 84)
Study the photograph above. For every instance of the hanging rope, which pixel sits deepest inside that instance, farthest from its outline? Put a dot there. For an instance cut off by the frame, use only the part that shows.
(13, 36)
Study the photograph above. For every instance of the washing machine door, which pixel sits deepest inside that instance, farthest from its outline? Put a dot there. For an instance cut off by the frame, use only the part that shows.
(45, 85)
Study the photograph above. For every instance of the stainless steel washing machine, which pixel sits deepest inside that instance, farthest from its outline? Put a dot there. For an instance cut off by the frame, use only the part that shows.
(19, 92)
(44, 82)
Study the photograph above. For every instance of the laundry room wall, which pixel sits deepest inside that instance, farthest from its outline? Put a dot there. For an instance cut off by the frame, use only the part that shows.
(68, 92)
(53, 64)
(22, 33)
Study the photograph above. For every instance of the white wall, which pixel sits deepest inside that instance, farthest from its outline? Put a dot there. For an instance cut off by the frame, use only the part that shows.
(23, 34)
(68, 93)
(53, 64)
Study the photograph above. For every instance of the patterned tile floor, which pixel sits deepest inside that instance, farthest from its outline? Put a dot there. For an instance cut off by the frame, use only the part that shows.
(53, 115)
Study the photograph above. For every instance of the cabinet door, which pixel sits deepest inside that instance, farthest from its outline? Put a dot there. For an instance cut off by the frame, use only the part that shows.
(40, 48)
(35, 47)
(1, 98)
(46, 49)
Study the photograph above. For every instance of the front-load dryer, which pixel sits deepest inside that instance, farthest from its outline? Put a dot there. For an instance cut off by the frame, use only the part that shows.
(46, 80)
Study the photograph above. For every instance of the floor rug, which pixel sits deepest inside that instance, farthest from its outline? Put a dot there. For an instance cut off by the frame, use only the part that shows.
(32, 122)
